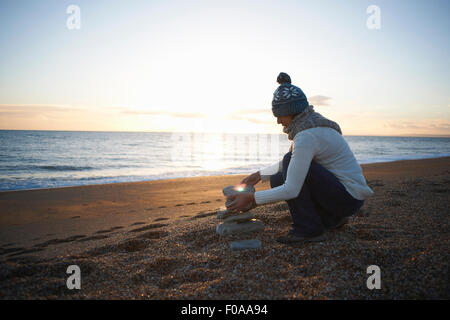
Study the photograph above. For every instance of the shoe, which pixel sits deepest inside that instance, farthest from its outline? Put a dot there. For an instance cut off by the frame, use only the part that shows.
(339, 224)
(292, 239)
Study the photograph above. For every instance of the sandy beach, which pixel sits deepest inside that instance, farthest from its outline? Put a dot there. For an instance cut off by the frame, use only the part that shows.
(157, 240)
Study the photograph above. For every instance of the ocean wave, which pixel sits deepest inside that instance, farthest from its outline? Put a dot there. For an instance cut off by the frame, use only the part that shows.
(65, 168)
(391, 158)
(10, 184)
(45, 168)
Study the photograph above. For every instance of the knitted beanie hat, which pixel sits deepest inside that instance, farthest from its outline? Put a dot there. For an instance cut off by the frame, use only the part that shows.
(288, 99)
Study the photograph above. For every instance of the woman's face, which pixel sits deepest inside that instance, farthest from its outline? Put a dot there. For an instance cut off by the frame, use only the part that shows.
(285, 120)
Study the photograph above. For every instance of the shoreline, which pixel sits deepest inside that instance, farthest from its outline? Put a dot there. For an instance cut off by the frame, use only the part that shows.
(205, 176)
(157, 196)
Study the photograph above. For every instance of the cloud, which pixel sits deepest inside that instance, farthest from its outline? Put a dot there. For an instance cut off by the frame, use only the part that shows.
(165, 113)
(255, 111)
(249, 115)
(35, 107)
(43, 109)
(319, 100)
(242, 115)
(32, 110)
(52, 117)
(426, 125)
(249, 119)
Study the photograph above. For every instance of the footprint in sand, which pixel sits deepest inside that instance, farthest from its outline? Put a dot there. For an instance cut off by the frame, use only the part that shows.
(153, 235)
(136, 224)
(132, 245)
(161, 219)
(75, 217)
(102, 231)
(73, 238)
(99, 237)
(147, 227)
(148, 209)
(4, 251)
(109, 230)
(179, 205)
(24, 251)
(206, 202)
(162, 207)
(204, 214)
(58, 241)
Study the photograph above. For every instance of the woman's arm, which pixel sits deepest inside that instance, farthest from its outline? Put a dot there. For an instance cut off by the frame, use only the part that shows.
(302, 154)
(266, 172)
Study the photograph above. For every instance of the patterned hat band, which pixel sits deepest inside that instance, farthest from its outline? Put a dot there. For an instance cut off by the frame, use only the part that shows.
(287, 100)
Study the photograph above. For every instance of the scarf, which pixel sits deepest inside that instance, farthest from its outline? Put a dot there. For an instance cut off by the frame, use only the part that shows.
(306, 120)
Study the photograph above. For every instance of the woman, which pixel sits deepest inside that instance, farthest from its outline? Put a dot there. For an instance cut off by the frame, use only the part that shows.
(319, 177)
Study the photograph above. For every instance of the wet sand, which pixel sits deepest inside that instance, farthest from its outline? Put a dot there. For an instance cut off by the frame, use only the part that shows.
(157, 240)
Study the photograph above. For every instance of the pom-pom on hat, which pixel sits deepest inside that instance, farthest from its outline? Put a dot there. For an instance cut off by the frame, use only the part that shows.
(288, 99)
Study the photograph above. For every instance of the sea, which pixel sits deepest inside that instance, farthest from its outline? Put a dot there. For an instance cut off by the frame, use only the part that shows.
(50, 159)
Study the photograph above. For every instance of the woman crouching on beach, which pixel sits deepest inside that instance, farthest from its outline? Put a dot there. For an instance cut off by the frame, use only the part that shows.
(319, 177)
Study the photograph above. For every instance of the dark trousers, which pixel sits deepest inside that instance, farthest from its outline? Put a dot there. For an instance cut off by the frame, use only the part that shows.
(323, 200)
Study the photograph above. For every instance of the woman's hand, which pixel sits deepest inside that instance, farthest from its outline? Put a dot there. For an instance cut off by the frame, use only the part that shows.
(252, 179)
(241, 201)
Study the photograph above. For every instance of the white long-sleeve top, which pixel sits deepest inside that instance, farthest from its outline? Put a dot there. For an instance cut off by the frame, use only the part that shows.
(328, 148)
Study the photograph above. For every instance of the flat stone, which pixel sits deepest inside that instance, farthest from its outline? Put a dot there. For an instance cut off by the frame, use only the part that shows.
(253, 225)
(245, 244)
(223, 213)
(239, 218)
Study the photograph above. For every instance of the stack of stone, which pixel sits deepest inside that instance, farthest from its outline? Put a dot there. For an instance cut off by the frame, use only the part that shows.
(239, 223)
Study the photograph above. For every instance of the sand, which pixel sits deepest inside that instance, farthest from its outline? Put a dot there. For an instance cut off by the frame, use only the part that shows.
(157, 240)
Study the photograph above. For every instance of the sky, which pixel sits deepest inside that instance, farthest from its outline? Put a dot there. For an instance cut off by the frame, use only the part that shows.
(211, 66)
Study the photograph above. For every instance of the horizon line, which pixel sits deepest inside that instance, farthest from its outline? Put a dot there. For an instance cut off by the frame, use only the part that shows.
(124, 131)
